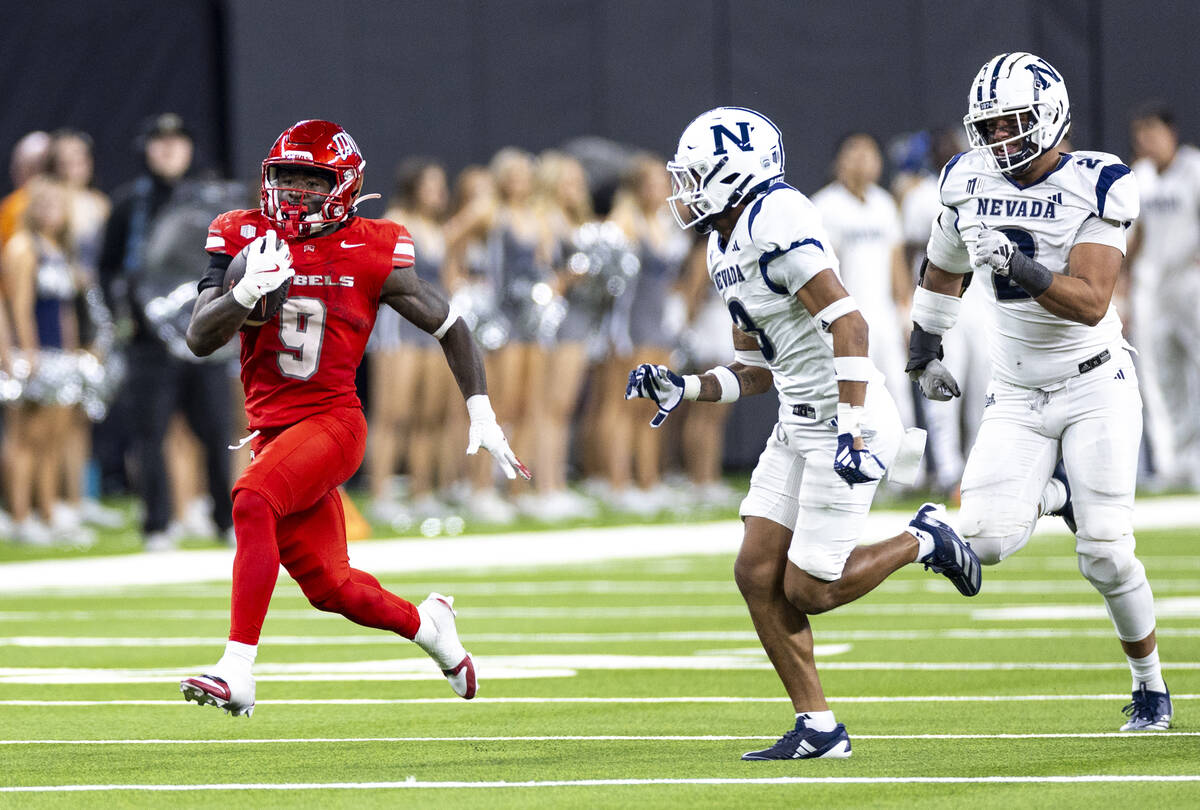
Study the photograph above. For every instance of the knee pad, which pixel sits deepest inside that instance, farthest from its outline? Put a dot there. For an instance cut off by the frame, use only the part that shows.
(1110, 565)
(990, 538)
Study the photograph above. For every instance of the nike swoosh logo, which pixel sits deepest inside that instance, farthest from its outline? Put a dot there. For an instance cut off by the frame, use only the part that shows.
(346, 244)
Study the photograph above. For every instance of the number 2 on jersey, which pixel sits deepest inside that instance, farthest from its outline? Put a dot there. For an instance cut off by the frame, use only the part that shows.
(741, 319)
(302, 331)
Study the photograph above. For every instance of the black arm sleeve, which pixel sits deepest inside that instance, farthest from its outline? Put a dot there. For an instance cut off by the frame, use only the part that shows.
(214, 276)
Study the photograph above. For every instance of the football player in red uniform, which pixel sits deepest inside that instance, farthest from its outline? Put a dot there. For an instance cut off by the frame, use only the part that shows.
(307, 422)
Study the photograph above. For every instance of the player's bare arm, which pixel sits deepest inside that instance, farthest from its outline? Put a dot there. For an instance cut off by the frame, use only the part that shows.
(424, 305)
(849, 330)
(216, 318)
(751, 379)
(1084, 292)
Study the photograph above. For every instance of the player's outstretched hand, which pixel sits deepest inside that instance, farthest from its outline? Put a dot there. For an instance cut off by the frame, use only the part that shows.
(268, 265)
(856, 466)
(658, 383)
(992, 249)
(485, 432)
(936, 381)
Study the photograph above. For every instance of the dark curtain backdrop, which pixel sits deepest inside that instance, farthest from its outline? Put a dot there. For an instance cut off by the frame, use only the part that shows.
(458, 79)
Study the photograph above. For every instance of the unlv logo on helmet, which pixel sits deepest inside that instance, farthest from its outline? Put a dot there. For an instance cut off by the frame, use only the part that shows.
(344, 145)
(320, 146)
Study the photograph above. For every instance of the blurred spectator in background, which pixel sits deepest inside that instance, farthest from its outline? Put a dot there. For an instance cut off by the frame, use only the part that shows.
(30, 158)
(72, 164)
(864, 224)
(410, 381)
(652, 327)
(564, 204)
(1165, 275)
(160, 382)
(521, 252)
(472, 286)
(40, 284)
(952, 425)
(707, 341)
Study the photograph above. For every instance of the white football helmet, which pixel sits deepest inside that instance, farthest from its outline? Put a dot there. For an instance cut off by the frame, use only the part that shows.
(725, 156)
(1029, 87)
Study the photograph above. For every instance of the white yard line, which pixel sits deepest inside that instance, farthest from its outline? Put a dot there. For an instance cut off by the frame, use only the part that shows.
(596, 738)
(517, 550)
(382, 640)
(480, 701)
(778, 780)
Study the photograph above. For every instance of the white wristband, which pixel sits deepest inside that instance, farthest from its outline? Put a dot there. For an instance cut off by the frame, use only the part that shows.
(731, 387)
(451, 317)
(691, 386)
(853, 369)
(244, 296)
(849, 419)
(479, 408)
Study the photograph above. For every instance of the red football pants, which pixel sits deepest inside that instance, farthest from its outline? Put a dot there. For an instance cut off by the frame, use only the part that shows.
(286, 509)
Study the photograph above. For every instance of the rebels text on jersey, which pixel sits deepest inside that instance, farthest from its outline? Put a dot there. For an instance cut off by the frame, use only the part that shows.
(303, 360)
(1087, 197)
(777, 246)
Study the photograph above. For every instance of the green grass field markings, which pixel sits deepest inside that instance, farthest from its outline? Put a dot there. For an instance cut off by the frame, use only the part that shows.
(377, 639)
(596, 738)
(663, 699)
(766, 780)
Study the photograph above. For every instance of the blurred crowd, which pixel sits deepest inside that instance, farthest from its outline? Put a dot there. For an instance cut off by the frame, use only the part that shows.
(569, 270)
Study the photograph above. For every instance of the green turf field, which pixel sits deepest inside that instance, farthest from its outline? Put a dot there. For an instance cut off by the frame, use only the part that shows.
(613, 684)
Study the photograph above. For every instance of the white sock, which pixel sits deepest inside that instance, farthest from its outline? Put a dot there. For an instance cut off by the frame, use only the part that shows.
(238, 655)
(924, 546)
(818, 721)
(1054, 497)
(426, 633)
(1147, 671)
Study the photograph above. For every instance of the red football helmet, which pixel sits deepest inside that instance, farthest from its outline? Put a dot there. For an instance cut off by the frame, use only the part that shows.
(321, 145)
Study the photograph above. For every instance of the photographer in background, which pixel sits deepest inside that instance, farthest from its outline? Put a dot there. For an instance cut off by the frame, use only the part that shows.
(160, 382)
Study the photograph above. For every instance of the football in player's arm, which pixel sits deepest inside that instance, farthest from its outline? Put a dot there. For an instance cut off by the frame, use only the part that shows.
(298, 371)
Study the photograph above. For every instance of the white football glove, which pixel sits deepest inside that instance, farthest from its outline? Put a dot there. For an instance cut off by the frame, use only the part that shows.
(936, 381)
(485, 432)
(658, 383)
(268, 265)
(991, 249)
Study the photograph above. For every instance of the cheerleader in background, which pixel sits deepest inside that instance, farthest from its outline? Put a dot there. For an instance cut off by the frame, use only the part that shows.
(40, 285)
(634, 449)
(521, 251)
(395, 357)
(468, 278)
(707, 341)
(420, 204)
(565, 205)
(72, 164)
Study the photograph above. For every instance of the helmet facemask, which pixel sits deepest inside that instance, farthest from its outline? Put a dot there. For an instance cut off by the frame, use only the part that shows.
(303, 212)
(1011, 154)
(688, 194)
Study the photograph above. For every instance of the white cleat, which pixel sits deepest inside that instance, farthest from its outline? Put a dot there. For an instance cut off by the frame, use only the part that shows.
(438, 636)
(228, 691)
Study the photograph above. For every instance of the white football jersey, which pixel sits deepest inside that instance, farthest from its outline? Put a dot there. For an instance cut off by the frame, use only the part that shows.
(1170, 220)
(1087, 197)
(776, 247)
(865, 234)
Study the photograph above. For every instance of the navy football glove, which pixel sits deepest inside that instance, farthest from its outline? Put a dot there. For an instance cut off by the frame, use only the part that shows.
(856, 466)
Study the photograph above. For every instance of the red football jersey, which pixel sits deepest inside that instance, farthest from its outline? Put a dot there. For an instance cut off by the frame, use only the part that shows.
(303, 360)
